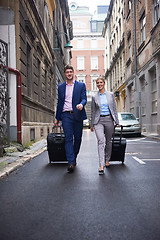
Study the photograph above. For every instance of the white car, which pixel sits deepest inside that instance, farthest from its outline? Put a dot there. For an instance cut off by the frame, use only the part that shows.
(86, 123)
(130, 124)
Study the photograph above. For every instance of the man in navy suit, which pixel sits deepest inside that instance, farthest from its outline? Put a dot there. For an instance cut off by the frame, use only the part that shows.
(70, 110)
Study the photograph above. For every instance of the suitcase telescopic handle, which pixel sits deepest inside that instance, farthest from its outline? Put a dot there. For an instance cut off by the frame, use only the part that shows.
(55, 129)
(120, 133)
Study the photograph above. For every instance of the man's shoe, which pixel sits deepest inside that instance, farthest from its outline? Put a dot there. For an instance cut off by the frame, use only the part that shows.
(70, 168)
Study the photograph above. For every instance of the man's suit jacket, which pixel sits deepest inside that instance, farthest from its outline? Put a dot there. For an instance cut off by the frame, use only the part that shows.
(79, 96)
(96, 108)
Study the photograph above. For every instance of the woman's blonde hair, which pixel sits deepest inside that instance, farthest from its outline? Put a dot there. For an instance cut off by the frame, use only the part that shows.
(101, 78)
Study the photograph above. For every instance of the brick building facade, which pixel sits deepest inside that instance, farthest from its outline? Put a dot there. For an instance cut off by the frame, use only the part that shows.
(38, 32)
(140, 54)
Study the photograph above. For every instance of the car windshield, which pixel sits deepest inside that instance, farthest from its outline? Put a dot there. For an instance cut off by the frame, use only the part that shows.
(127, 116)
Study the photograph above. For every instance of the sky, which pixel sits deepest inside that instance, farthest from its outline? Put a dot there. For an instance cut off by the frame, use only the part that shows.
(92, 4)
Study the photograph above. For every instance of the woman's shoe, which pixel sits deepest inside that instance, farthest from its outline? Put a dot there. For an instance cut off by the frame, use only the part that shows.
(107, 164)
(101, 172)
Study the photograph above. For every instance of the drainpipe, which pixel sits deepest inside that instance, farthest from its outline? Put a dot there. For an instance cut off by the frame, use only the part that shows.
(19, 128)
(135, 54)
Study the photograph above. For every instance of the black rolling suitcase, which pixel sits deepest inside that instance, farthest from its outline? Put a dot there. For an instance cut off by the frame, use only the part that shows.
(118, 148)
(56, 145)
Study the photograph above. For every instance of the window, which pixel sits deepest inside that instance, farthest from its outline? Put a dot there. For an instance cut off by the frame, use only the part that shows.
(39, 80)
(94, 43)
(131, 97)
(46, 86)
(94, 85)
(80, 43)
(81, 78)
(80, 63)
(143, 94)
(153, 89)
(142, 83)
(94, 63)
(156, 11)
(129, 47)
(129, 6)
(29, 70)
(93, 26)
(45, 17)
(143, 30)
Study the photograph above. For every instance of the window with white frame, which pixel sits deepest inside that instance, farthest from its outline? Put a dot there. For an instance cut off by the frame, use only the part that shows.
(80, 43)
(80, 63)
(143, 30)
(94, 85)
(94, 62)
(156, 11)
(94, 43)
(81, 78)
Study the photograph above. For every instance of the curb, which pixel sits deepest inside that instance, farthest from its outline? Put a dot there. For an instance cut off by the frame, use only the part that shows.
(152, 137)
(19, 163)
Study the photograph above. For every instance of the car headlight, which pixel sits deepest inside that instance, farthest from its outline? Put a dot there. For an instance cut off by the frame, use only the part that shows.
(137, 125)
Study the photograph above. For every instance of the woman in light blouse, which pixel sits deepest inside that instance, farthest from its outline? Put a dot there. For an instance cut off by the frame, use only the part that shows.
(103, 118)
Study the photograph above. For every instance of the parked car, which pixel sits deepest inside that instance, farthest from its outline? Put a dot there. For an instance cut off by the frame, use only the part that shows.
(130, 124)
(86, 123)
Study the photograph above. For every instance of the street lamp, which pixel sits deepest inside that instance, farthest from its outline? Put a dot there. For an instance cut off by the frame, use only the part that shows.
(67, 46)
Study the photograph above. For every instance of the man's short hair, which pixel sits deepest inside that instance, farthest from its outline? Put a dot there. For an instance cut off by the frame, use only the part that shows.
(68, 67)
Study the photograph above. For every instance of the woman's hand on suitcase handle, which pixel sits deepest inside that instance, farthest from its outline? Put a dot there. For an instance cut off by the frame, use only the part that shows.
(92, 129)
(56, 122)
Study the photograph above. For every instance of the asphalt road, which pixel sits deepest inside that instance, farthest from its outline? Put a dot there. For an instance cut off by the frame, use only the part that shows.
(43, 202)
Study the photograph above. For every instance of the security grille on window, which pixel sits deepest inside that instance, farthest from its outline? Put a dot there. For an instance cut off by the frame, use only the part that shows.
(94, 63)
(80, 63)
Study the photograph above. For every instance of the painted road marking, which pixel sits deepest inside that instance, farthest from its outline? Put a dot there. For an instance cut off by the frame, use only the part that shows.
(143, 141)
(135, 140)
(138, 160)
(154, 159)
